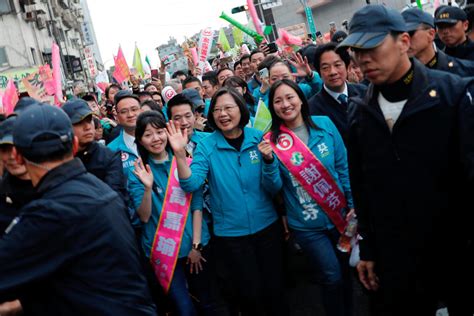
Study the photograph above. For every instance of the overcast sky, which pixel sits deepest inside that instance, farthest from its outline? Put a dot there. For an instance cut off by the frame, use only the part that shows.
(151, 22)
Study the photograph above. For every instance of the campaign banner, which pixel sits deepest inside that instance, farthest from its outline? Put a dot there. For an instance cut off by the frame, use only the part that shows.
(205, 44)
(40, 85)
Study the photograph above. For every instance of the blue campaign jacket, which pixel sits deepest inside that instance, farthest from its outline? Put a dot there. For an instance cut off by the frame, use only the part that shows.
(161, 174)
(128, 160)
(326, 143)
(241, 201)
(309, 89)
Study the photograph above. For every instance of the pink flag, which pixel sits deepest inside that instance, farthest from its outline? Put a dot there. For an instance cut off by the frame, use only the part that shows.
(122, 72)
(289, 39)
(102, 86)
(436, 4)
(58, 95)
(10, 98)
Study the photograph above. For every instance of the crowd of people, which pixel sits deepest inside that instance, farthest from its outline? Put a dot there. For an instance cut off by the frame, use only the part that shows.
(163, 197)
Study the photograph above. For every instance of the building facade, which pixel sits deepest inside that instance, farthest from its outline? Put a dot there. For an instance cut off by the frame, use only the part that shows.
(28, 29)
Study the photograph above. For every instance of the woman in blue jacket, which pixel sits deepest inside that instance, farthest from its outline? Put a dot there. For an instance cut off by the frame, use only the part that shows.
(309, 224)
(148, 184)
(248, 234)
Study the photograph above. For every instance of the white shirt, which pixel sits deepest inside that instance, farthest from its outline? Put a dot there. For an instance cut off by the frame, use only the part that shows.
(335, 95)
(129, 141)
(391, 110)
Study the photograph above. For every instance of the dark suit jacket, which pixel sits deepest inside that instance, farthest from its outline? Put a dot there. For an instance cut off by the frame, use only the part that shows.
(324, 104)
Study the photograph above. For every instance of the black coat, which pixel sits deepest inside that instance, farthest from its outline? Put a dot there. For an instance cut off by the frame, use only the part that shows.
(72, 253)
(106, 165)
(462, 51)
(324, 104)
(410, 185)
(460, 67)
(14, 194)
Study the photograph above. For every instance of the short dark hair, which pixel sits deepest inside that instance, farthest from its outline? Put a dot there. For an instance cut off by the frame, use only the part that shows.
(255, 51)
(178, 99)
(211, 77)
(276, 120)
(59, 154)
(239, 100)
(178, 73)
(150, 117)
(191, 79)
(147, 85)
(89, 97)
(143, 93)
(151, 104)
(330, 47)
(222, 69)
(270, 61)
(237, 63)
(235, 81)
(113, 85)
(244, 57)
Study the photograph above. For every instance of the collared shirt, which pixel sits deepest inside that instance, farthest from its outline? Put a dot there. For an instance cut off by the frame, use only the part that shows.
(336, 95)
(129, 141)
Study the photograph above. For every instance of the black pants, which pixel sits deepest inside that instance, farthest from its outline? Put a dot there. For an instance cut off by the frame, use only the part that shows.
(254, 271)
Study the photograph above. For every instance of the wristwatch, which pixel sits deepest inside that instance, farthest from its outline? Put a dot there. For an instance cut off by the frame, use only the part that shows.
(197, 247)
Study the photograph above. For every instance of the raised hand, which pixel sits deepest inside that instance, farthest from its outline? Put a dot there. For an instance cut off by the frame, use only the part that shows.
(143, 173)
(177, 138)
(301, 64)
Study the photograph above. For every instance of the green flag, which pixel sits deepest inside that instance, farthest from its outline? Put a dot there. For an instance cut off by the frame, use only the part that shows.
(263, 117)
(238, 36)
(147, 60)
(418, 2)
(223, 40)
(137, 62)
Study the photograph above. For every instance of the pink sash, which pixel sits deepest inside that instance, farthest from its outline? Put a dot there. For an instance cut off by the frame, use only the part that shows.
(311, 174)
(169, 233)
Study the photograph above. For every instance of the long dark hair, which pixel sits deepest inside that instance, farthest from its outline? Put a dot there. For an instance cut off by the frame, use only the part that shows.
(239, 100)
(234, 82)
(153, 118)
(276, 120)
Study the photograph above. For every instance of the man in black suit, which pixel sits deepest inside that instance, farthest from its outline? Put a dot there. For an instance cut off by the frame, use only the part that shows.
(331, 101)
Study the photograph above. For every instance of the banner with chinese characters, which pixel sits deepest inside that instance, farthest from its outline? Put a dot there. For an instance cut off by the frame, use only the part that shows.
(205, 44)
(90, 61)
(17, 75)
(169, 233)
(40, 85)
(122, 72)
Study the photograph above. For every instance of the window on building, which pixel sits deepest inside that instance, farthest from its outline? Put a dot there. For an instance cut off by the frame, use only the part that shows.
(33, 53)
(3, 57)
(5, 6)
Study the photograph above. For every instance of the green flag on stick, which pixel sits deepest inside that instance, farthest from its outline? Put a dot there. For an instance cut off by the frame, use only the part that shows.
(418, 2)
(263, 117)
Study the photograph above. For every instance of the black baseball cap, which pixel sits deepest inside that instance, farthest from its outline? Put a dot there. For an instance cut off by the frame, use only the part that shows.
(42, 130)
(23, 104)
(6, 131)
(450, 15)
(77, 110)
(414, 17)
(123, 94)
(338, 36)
(371, 24)
(192, 95)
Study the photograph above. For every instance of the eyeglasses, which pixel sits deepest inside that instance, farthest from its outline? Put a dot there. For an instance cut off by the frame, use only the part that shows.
(227, 109)
(134, 109)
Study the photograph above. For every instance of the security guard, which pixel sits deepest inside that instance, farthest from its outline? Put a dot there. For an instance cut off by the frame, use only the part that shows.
(16, 189)
(452, 26)
(421, 28)
(411, 149)
(98, 159)
(69, 252)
